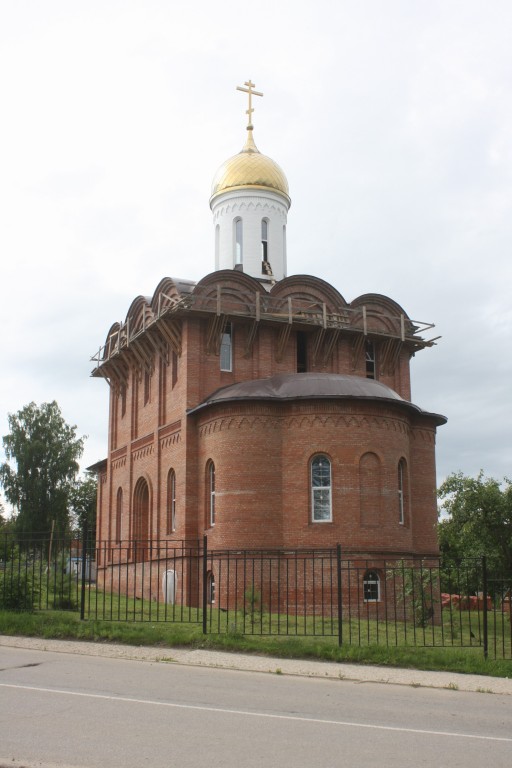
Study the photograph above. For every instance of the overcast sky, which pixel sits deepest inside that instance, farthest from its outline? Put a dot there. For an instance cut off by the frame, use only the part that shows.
(392, 121)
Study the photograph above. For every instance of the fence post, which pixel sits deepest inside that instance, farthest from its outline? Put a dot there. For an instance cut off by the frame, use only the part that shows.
(340, 601)
(485, 623)
(205, 585)
(85, 536)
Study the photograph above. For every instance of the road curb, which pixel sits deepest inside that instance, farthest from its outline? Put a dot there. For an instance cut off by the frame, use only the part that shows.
(357, 673)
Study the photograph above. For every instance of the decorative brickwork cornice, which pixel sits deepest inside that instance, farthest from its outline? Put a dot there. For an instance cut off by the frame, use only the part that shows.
(169, 429)
(141, 453)
(119, 463)
(119, 453)
(305, 421)
(173, 439)
(141, 442)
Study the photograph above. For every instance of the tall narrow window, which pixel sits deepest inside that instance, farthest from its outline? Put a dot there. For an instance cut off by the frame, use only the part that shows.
(162, 389)
(371, 587)
(119, 515)
(321, 489)
(226, 349)
(370, 360)
(402, 490)
(174, 374)
(217, 246)
(171, 501)
(264, 240)
(141, 516)
(147, 387)
(302, 360)
(114, 411)
(210, 492)
(239, 250)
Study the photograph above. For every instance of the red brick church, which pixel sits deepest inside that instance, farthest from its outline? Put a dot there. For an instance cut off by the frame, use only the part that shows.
(261, 409)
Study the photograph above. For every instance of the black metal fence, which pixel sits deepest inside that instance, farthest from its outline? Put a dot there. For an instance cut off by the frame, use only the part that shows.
(355, 599)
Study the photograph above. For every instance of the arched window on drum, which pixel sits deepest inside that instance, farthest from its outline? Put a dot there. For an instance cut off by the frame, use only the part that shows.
(321, 490)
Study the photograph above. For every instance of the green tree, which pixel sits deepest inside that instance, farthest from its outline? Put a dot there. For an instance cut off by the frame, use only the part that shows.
(42, 454)
(83, 503)
(476, 519)
(6, 525)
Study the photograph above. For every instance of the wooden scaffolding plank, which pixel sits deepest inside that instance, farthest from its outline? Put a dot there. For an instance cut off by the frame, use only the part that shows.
(216, 328)
(145, 352)
(171, 331)
(357, 349)
(159, 344)
(329, 345)
(251, 336)
(282, 340)
(318, 344)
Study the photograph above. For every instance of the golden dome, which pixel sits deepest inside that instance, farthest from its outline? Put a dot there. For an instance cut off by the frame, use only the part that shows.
(249, 169)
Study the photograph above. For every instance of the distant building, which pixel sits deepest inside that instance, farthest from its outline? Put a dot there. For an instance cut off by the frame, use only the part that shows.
(263, 410)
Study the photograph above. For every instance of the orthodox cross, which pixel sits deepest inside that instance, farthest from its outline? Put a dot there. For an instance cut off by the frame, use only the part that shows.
(249, 89)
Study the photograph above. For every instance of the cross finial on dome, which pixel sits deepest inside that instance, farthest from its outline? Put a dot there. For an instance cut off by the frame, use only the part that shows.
(249, 89)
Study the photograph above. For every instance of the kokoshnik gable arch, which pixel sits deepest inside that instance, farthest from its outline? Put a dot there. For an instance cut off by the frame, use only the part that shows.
(261, 409)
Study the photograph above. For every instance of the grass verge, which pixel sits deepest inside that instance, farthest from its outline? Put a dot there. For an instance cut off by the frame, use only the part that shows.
(65, 625)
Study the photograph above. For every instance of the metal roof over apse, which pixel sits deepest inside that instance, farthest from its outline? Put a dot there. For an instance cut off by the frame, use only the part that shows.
(312, 386)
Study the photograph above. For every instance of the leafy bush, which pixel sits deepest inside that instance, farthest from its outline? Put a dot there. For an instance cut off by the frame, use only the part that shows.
(18, 590)
(65, 595)
(419, 586)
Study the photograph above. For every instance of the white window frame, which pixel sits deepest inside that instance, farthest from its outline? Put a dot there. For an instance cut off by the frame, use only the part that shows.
(371, 584)
(226, 348)
(321, 492)
(171, 501)
(211, 493)
(238, 240)
(401, 492)
(264, 239)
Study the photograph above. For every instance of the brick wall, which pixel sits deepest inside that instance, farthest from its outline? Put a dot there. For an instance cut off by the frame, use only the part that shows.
(262, 451)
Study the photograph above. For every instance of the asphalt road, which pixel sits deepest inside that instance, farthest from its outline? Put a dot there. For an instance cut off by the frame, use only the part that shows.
(64, 709)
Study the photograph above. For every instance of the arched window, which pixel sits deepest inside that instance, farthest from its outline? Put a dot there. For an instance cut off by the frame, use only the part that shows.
(371, 367)
(210, 588)
(321, 506)
(141, 517)
(226, 348)
(239, 250)
(174, 374)
(302, 352)
(217, 246)
(114, 410)
(264, 240)
(147, 387)
(119, 515)
(210, 493)
(402, 491)
(371, 587)
(171, 501)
